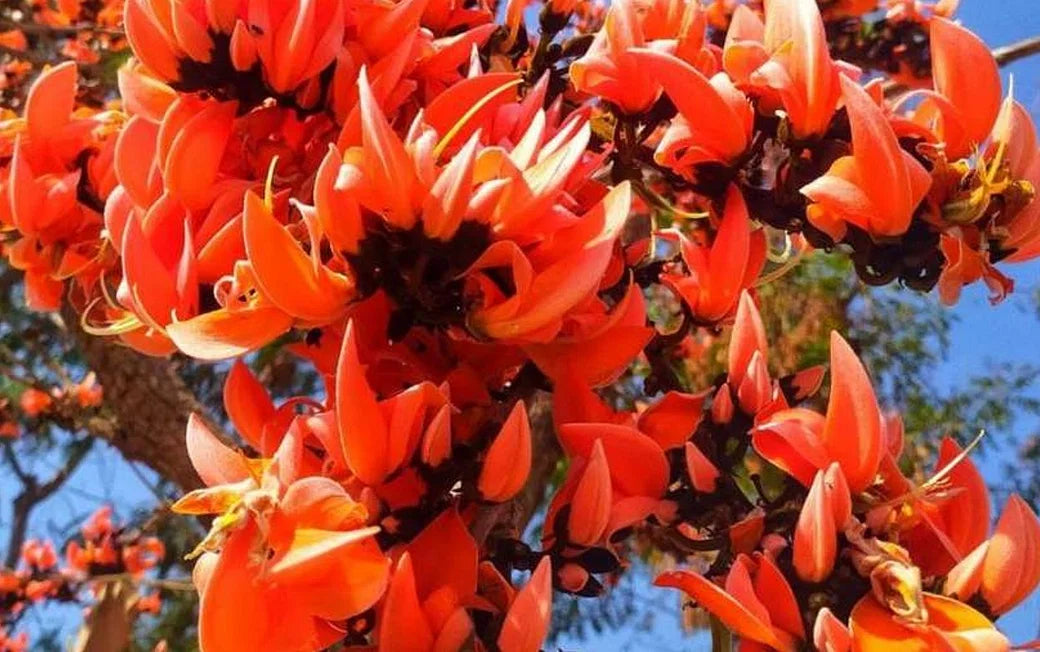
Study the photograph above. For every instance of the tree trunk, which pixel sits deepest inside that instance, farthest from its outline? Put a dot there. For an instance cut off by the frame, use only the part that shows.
(146, 406)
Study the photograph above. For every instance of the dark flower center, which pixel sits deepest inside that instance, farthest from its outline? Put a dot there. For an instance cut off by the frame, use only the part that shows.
(418, 273)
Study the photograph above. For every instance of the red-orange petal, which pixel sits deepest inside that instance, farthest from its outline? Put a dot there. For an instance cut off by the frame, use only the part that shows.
(590, 506)
(224, 334)
(672, 419)
(508, 460)
(852, 430)
(703, 474)
(722, 605)
(213, 460)
(403, 625)
(247, 403)
(1012, 567)
(527, 621)
(445, 554)
(816, 535)
(362, 427)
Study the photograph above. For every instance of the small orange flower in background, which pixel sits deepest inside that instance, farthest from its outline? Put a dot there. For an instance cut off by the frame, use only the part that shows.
(14, 39)
(35, 402)
(88, 392)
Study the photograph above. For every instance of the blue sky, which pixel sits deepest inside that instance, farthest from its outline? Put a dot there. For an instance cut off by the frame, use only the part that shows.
(982, 334)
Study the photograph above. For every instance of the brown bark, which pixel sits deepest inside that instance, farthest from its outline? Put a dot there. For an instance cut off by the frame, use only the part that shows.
(146, 406)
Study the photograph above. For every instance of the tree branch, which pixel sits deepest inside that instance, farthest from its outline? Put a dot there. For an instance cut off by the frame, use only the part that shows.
(1018, 50)
(34, 493)
(146, 406)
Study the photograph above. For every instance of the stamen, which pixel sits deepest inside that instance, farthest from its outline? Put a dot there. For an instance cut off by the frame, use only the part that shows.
(466, 117)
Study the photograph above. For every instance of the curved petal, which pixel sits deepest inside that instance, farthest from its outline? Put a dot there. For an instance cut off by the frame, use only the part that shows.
(362, 427)
(638, 466)
(288, 277)
(734, 615)
(527, 621)
(403, 625)
(215, 463)
(590, 506)
(672, 419)
(247, 403)
(852, 430)
(508, 460)
(225, 334)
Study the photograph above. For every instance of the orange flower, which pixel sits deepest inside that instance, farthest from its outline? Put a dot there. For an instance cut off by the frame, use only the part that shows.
(1016, 133)
(620, 444)
(590, 507)
(527, 621)
(715, 119)
(717, 273)
(802, 442)
(35, 402)
(946, 520)
(965, 264)
(88, 392)
(435, 580)
(609, 69)
(788, 58)
(878, 187)
(376, 438)
(508, 460)
(1006, 568)
(485, 209)
(962, 109)
(748, 376)
(284, 556)
(949, 624)
(602, 479)
(702, 473)
(293, 42)
(39, 555)
(830, 634)
(296, 283)
(757, 603)
(14, 39)
(826, 510)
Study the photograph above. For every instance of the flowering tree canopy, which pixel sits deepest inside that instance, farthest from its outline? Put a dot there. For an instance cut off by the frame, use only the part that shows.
(497, 255)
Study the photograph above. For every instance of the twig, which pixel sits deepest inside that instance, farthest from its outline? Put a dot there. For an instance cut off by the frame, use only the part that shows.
(1019, 50)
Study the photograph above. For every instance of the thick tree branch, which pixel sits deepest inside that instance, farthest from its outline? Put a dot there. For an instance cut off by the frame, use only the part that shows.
(146, 406)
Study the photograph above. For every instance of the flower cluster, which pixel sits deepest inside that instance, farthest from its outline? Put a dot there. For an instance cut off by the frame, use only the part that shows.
(35, 403)
(444, 218)
(102, 554)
